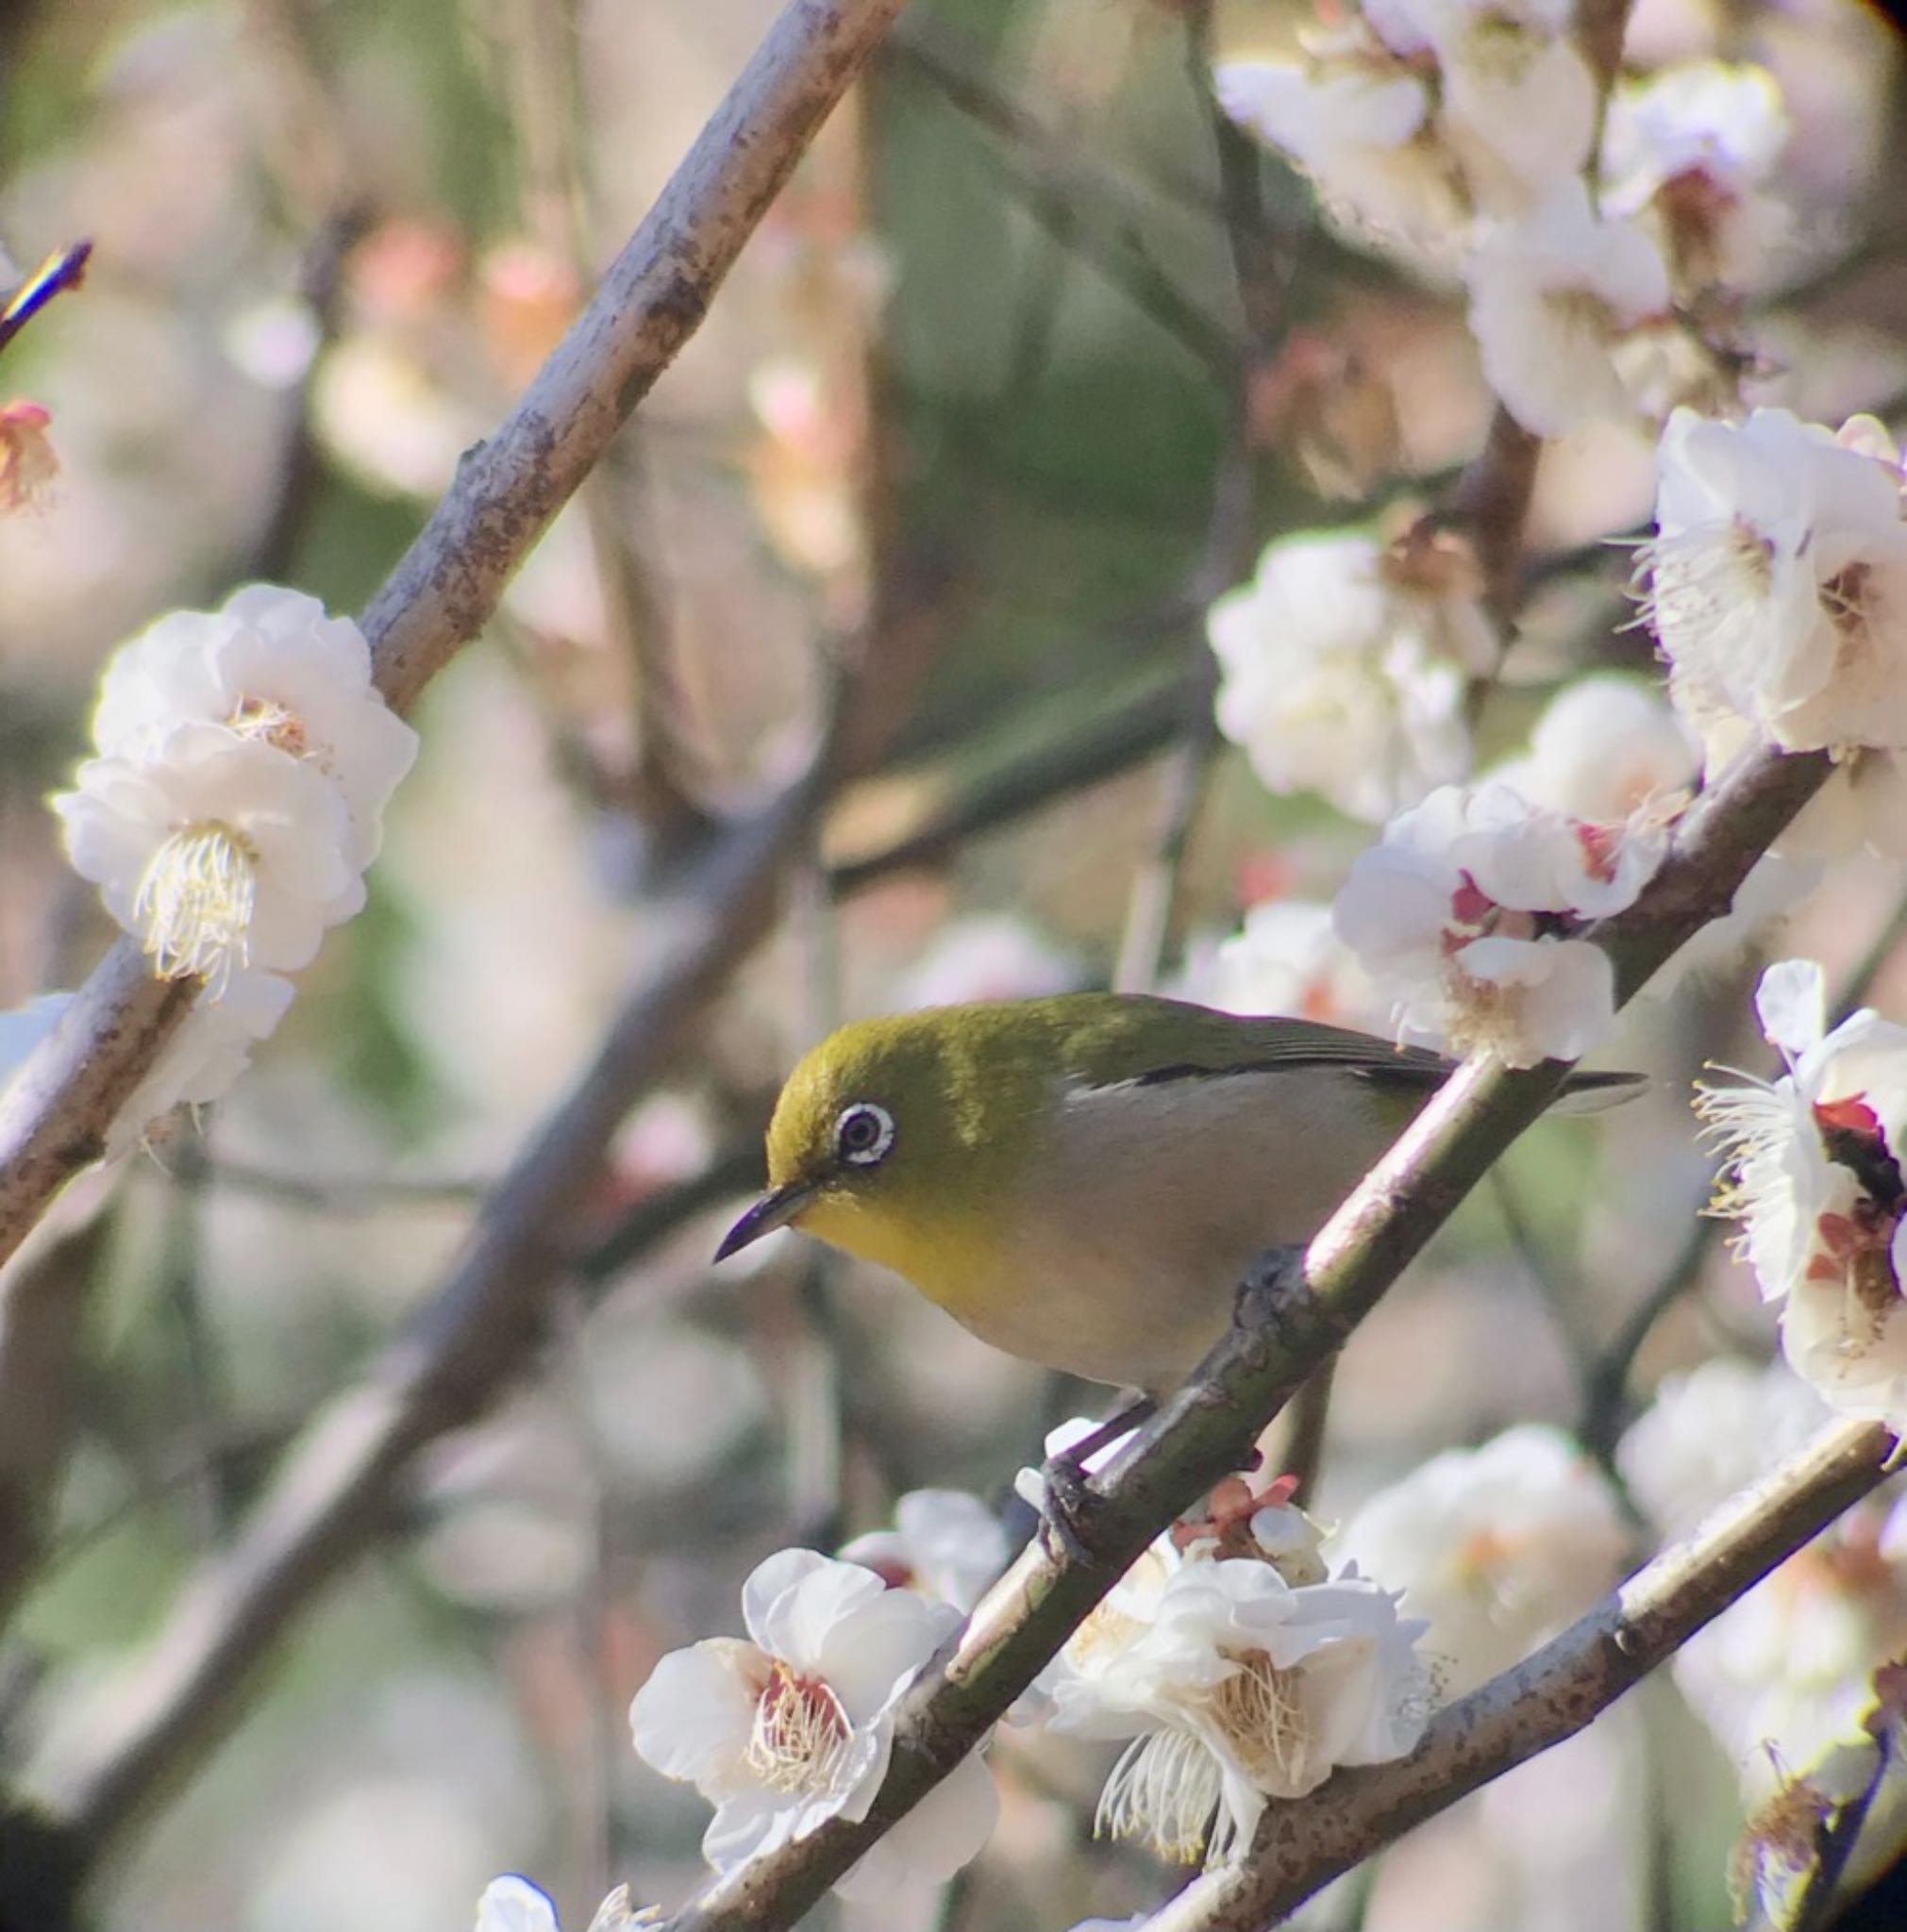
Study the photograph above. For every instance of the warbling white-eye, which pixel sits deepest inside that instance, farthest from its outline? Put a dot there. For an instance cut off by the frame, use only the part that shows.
(1083, 1181)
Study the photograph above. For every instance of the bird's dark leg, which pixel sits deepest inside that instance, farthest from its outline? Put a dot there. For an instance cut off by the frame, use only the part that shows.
(1070, 1505)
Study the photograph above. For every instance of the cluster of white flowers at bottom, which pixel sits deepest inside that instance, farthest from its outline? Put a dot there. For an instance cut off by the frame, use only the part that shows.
(244, 761)
(1240, 1670)
(1466, 913)
(1787, 1672)
(795, 1726)
(1813, 1174)
(1499, 1547)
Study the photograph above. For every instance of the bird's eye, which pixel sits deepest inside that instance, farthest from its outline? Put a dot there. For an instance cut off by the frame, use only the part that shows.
(863, 1133)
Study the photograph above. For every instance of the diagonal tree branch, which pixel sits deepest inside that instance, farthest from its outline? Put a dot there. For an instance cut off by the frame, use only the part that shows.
(335, 1492)
(651, 299)
(1304, 1844)
(1209, 1427)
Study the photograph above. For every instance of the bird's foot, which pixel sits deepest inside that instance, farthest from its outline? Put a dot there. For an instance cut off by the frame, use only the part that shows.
(1071, 1504)
(1070, 1507)
(1276, 1311)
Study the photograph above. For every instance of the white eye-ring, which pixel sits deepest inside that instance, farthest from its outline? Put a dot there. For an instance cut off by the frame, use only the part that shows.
(863, 1133)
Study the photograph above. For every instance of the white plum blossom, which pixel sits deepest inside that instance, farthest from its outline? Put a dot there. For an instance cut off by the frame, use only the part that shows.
(1518, 101)
(1713, 1430)
(206, 1052)
(1463, 913)
(219, 851)
(269, 665)
(512, 1904)
(1357, 118)
(1288, 959)
(1778, 577)
(1786, 1670)
(1553, 295)
(1342, 669)
(1235, 1688)
(1607, 749)
(944, 1543)
(1499, 1547)
(244, 762)
(795, 1726)
(1691, 147)
(1611, 750)
(1813, 1173)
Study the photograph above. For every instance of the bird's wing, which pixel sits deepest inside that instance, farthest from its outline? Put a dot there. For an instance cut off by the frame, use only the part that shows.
(1208, 1044)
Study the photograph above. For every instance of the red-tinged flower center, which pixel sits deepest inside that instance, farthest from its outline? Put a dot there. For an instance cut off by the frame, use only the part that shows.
(1599, 845)
(800, 1734)
(272, 724)
(1850, 1116)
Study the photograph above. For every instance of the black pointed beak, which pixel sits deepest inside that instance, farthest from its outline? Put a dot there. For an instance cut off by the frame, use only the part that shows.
(776, 1208)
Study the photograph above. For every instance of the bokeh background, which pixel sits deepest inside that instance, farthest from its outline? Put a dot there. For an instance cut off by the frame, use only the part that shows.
(1006, 391)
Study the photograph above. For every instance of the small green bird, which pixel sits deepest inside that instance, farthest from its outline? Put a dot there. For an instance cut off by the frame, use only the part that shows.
(1083, 1180)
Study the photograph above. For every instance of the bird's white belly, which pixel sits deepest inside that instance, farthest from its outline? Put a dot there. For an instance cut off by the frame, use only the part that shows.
(1125, 1247)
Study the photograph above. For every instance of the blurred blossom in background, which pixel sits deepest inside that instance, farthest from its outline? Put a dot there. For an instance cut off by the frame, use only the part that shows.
(1180, 664)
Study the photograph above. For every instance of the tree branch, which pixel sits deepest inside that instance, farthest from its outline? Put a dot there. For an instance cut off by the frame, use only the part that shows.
(1205, 1429)
(53, 1121)
(1303, 1845)
(333, 1494)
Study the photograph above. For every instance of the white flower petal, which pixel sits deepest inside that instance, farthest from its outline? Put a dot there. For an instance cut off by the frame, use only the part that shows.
(692, 1720)
(514, 1905)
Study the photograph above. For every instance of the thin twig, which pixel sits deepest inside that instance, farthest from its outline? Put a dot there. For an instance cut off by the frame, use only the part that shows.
(1135, 729)
(508, 489)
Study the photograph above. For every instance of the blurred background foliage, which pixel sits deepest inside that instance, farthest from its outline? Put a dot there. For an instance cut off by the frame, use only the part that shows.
(988, 414)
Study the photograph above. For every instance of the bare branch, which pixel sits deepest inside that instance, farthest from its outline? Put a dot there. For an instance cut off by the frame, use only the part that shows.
(1303, 1845)
(507, 491)
(334, 1493)
(44, 1302)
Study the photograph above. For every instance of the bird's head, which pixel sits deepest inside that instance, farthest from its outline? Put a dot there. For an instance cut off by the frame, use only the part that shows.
(889, 1135)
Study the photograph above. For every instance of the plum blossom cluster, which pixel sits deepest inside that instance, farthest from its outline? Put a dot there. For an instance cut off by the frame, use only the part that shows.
(1776, 587)
(1498, 1547)
(244, 761)
(1344, 662)
(1468, 914)
(1233, 1666)
(1813, 1173)
(1784, 1676)
(1238, 1671)
(1465, 131)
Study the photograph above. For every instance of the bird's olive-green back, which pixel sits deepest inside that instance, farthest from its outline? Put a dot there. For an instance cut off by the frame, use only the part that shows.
(967, 1086)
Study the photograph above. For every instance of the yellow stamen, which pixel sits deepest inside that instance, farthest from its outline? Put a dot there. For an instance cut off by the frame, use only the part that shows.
(1262, 1717)
(196, 901)
(1164, 1789)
